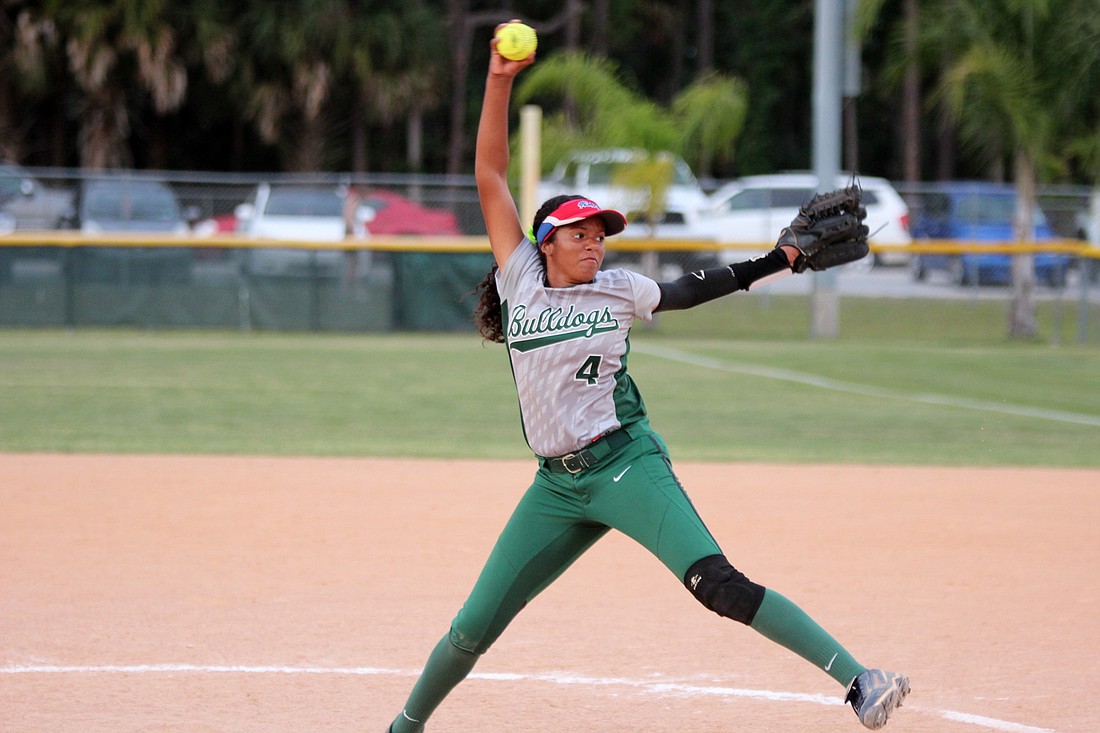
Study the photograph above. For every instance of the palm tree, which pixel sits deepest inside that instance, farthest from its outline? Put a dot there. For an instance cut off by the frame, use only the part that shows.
(462, 24)
(711, 114)
(1018, 72)
(324, 67)
(27, 42)
(594, 109)
(112, 48)
(286, 75)
(902, 69)
(395, 73)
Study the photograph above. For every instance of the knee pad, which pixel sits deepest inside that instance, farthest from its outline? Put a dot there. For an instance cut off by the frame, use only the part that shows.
(723, 589)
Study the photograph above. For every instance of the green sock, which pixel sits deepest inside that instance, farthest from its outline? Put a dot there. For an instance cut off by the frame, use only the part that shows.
(447, 666)
(788, 625)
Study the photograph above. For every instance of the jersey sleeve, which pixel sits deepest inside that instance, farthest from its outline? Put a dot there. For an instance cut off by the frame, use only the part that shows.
(647, 295)
(522, 259)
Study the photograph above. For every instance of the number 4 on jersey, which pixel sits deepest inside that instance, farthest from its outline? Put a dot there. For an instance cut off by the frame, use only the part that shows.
(590, 370)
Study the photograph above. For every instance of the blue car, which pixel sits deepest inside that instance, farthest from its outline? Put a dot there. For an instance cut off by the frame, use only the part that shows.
(979, 211)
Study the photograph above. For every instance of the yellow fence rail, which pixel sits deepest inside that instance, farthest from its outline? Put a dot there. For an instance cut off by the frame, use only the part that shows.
(52, 238)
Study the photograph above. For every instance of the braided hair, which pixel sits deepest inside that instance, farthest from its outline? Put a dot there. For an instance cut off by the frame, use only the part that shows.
(487, 315)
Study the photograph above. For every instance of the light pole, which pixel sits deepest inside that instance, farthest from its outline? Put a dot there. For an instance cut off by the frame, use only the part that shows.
(829, 55)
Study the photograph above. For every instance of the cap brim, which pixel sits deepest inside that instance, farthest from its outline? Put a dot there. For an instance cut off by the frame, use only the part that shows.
(613, 221)
(579, 209)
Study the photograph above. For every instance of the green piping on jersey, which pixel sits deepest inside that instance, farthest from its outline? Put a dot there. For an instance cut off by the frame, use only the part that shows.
(629, 407)
(512, 368)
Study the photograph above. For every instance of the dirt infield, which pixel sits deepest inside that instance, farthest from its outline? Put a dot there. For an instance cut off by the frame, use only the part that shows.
(254, 594)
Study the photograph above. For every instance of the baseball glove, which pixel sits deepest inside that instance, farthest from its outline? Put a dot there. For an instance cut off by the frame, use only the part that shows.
(828, 230)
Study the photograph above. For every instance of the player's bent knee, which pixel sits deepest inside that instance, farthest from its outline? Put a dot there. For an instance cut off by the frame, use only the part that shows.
(466, 643)
(481, 621)
(723, 589)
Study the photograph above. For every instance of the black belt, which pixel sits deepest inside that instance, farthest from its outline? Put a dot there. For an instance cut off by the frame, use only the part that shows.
(590, 455)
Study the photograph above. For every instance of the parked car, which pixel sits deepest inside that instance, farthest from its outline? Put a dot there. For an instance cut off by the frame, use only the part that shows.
(983, 212)
(394, 214)
(754, 209)
(318, 213)
(310, 213)
(27, 204)
(130, 205)
(126, 205)
(215, 225)
(598, 174)
(1088, 229)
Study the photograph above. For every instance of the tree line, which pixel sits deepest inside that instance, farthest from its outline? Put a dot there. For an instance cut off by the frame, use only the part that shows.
(993, 89)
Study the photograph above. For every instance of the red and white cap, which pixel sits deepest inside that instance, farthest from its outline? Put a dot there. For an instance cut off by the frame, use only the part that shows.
(576, 210)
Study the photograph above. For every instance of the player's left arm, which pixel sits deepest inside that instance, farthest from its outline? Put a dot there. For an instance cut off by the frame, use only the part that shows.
(828, 231)
(702, 286)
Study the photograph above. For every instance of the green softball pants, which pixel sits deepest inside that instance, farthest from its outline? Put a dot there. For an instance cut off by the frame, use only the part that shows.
(561, 515)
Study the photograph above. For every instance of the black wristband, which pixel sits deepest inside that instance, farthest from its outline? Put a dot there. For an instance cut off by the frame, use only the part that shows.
(760, 267)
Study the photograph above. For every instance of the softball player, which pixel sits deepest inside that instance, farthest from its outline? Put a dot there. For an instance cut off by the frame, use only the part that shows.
(566, 325)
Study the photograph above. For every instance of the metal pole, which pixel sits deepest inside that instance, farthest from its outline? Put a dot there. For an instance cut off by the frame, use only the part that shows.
(69, 257)
(828, 57)
(1084, 267)
(530, 130)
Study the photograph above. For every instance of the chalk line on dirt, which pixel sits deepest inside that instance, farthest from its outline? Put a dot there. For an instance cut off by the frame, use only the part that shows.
(648, 686)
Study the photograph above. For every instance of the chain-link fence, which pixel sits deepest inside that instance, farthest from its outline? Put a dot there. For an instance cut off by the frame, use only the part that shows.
(379, 253)
(57, 198)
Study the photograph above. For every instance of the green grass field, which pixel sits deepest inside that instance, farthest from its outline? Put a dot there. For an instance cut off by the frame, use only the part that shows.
(908, 383)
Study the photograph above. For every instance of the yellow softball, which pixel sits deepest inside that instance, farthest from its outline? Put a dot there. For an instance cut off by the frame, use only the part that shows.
(516, 41)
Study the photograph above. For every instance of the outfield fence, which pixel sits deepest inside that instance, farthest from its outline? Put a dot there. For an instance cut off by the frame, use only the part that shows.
(64, 279)
(53, 274)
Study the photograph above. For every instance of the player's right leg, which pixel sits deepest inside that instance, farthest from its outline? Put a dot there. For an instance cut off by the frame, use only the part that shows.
(544, 536)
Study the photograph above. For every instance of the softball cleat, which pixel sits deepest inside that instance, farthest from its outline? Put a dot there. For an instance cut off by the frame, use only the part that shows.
(875, 694)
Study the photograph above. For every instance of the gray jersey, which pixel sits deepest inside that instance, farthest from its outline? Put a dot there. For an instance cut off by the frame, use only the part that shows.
(568, 348)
